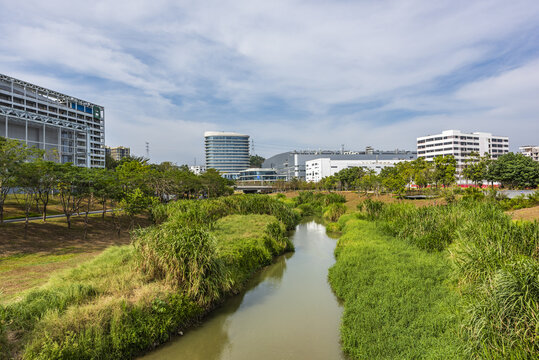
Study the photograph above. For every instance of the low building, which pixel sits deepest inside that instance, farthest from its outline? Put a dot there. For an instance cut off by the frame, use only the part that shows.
(118, 152)
(317, 169)
(260, 175)
(197, 169)
(530, 151)
(461, 145)
(292, 164)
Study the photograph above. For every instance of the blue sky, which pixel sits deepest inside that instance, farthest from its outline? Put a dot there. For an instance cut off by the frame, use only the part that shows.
(292, 74)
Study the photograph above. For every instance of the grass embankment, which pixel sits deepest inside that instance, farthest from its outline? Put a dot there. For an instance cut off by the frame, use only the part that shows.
(397, 299)
(495, 270)
(131, 298)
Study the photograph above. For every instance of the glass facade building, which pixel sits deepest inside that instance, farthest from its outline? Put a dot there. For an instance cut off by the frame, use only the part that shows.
(226, 152)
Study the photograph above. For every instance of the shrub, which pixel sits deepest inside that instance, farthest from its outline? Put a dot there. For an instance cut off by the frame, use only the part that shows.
(184, 256)
(334, 211)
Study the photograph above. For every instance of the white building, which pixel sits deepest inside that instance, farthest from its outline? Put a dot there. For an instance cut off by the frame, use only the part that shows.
(197, 169)
(317, 169)
(227, 152)
(460, 145)
(531, 151)
(67, 128)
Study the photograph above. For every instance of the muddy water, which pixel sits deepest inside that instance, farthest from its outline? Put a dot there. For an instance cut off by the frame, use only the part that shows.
(288, 311)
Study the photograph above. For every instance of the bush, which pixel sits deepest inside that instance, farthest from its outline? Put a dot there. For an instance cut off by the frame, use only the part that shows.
(334, 211)
(184, 256)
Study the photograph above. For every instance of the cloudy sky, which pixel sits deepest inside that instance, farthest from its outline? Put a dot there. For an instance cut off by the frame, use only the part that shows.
(292, 74)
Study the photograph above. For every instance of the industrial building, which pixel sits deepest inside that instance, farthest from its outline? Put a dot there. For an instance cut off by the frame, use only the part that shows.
(67, 128)
(118, 152)
(460, 145)
(317, 169)
(197, 169)
(227, 152)
(292, 164)
(530, 151)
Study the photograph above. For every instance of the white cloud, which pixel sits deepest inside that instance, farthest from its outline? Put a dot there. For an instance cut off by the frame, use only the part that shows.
(168, 70)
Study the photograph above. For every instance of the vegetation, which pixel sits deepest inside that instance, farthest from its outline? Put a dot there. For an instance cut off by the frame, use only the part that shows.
(255, 161)
(397, 300)
(495, 270)
(132, 297)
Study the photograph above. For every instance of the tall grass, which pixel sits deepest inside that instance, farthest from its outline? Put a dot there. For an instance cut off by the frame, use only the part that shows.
(397, 299)
(496, 264)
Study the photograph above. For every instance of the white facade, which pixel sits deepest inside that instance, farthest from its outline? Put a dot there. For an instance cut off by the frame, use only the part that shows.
(317, 169)
(531, 151)
(197, 169)
(460, 145)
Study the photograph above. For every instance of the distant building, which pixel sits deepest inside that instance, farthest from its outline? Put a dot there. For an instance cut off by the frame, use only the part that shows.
(68, 129)
(460, 145)
(227, 152)
(531, 151)
(197, 169)
(292, 164)
(317, 169)
(118, 152)
(260, 175)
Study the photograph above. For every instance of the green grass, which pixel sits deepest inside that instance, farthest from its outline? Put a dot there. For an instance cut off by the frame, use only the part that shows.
(398, 300)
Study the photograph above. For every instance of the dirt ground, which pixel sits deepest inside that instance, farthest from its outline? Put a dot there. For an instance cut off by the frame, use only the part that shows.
(28, 261)
(530, 214)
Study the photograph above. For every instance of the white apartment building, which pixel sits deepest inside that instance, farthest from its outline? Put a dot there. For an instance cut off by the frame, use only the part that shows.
(531, 151)
(460, 145)
(317, 169)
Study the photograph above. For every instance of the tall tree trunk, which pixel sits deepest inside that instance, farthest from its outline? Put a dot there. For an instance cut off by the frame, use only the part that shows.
(44, 212)
(68, 218)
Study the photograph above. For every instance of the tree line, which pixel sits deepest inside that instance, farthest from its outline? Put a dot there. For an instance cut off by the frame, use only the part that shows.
(132, 184)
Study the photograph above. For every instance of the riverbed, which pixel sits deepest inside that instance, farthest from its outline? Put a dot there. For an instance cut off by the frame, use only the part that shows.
(287, 311)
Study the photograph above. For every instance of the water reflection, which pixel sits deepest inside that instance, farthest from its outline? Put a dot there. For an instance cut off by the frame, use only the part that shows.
(287, 311)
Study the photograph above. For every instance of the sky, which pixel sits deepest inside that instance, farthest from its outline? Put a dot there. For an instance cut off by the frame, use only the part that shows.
(292, 74)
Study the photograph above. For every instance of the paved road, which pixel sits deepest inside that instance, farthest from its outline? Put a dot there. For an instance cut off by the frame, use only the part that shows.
(55, 216)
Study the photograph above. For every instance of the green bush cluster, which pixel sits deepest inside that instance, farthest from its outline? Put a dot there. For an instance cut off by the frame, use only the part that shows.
(311, 203)
(520, 202)
(334, 211)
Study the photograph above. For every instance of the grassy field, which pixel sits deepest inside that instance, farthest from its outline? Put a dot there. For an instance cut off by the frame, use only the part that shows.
(51, 246)
(120, 303)
(398, 301)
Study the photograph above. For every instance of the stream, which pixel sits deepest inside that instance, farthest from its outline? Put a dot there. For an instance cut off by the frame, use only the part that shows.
(287, 311)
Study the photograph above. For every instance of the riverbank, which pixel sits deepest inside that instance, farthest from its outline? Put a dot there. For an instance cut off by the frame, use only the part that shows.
(398, 300)
(453, 281)
(125, 302)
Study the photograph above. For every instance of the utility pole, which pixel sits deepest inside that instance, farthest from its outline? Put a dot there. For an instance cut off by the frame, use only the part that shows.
(148, 150)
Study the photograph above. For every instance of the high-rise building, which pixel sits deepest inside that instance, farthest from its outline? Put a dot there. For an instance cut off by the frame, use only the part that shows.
(67, 128)
(531, 151)
(227, 152)
(460, 145)
(118, 152)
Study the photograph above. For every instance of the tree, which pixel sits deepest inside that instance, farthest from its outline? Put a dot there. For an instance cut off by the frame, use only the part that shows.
(27, 178)
(445, 168)
(393, 179)
(70, 189)
(256, 161)
(515, 171)
(475, 168)
(12, 154)
(215, 185)
(45, 182)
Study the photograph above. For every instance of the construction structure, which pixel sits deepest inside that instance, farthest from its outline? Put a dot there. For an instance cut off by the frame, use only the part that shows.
(227, 152)
(67, 128)
(118, 152)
